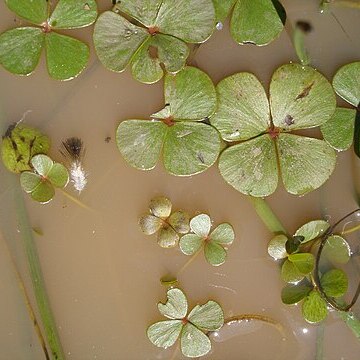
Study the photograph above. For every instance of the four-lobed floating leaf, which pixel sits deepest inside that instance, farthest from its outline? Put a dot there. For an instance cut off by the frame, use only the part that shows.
(19, 144)
(152, 35)
(300, 98)
(214, 243)
(191, 328)
(66, 57)
(168, 225)
(189, 146)
(46, 175)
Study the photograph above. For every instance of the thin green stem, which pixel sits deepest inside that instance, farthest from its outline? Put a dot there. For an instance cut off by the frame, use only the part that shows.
(320, 332)
(42, 299)
(193, 257)
(266, 214)
(351, 230)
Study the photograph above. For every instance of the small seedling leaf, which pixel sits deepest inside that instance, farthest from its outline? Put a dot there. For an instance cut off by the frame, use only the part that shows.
(304, 262)
(276, 247)
(334, 283)
(290, 273)
(314, 308)
(312, 230)
(292, 294)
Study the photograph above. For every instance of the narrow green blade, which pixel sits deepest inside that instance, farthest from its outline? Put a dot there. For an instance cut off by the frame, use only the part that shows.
(255, 22)
(164, 333)
(300, 97)
(338, 132)
(194, 343)
(190, 244)
(251, 167)
(223, 234)
(305, 163)
(314, 308)
(176, 305)
(190, 20)
(35, 11)
(346, 83)
(158, 53)
(20, 49)
(190, 94)
(140, 142)
(116, 40)
(72, 14)
(312, 230)
(58, 175)
(66, 56)
(215, 254)
(222, 8)
(243, 108)
(190, 148)
(208, 317)
(43, 193)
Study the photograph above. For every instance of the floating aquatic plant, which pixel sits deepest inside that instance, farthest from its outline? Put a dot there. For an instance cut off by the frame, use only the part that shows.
(66, 57)
(344, 127)
(152, 36)
(179, 131)
(214, 243)
(300, 98)
(166, 224)
(46, 175)
(191, 328)
(257, 22)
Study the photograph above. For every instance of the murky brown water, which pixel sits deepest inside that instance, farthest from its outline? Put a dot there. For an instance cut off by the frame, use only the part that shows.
(102, 274)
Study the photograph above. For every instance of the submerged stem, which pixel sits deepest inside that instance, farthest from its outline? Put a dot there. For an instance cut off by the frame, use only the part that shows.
(351, 230)
(75, 200)
(193, 257)
(41, 296)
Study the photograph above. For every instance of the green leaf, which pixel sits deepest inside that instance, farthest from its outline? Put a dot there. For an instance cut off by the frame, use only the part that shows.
(243, 110)
(290, 273)
(164, 333)
(190, 20)
(346, 83)
(190, 148)
(190, 244)
(251, 167)
(150, 224)
(155, 53)
(200, 225)
(223, 234)
(312, 230)
(176, 305)
(256, 22)
(304, 262)
(20, 49)
(42, 164)
(180, 221)
(140, 142)
(58, 175)
(190, 94)
(208, 317)
(43, 193)
(276, 247)
(116, 40)
(306, 163)
(338, 132)
(33, 11)
(222, 8)
(300, 97)
(215, 254)
(160, 206)
(292, 294)
(194, 343)
(334, 283)
(167, 237)
(293, 243)
(314, 308)
(20, 144)
(337, 250)
(66, 57)
(72, 14)
(29, 181)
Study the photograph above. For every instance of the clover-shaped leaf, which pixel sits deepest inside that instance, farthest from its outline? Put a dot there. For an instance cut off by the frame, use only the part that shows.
(300, 98)
(168, 225)
(334, 283)
(194, 342)
(189, 146)
(255, 22)
(152, 36)
(337, 250)
(19, 144)
(47, 175)
(314, 308)
(20, 48)
(214, 243)
(293, 293)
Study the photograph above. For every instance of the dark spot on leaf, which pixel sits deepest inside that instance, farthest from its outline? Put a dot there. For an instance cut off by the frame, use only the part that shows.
(274, 132)
(19, 158)
(305, 92)
(206, 120)
(14, 144)
(289, 120)
(9, 130)
(304, 26)
(200, 156)
(32, 141)
(168, 121)
(153, 30)
(153, 52)
(22, 138)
